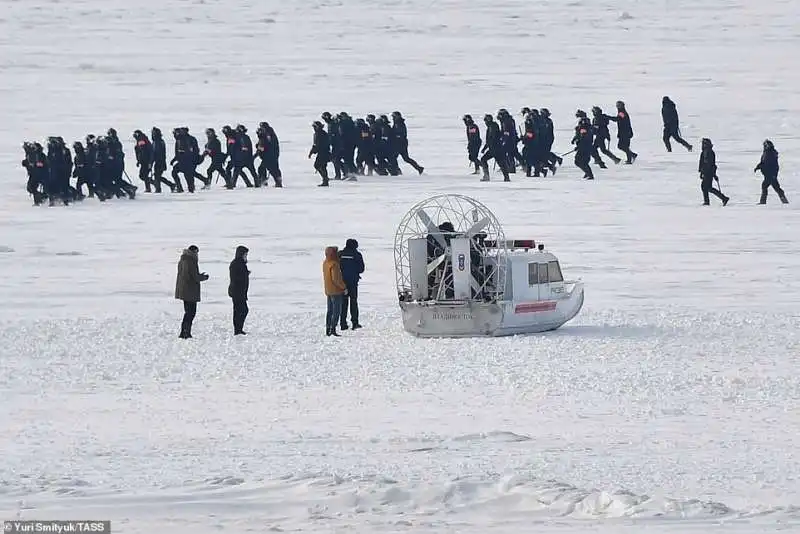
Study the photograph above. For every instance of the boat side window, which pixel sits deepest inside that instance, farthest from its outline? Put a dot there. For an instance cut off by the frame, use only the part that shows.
(533, 274)
(543, 278)
(554, 272)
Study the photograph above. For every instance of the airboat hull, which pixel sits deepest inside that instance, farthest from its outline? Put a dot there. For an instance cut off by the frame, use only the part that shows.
(450, 319)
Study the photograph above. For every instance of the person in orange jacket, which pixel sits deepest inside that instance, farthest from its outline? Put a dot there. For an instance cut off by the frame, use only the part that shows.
(335, 289)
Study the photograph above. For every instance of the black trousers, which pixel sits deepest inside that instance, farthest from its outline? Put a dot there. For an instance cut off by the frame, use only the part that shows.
(240, 311)
(350, 301)
(189, 312)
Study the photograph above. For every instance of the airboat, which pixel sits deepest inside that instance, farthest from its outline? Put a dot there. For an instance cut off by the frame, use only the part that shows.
(458, 275)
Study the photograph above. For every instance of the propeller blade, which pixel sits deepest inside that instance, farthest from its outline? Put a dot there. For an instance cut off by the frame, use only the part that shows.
(436, 263)
(477, 227)
(433, 229)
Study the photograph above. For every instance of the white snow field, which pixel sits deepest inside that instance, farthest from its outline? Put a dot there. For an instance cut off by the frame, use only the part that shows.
(670, 404)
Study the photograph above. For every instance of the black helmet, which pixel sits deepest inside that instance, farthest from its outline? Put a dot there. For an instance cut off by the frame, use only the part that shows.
(156, 131)
(396, 115)
(137, 133)
(488, 118)
(370, 117)
(227, 129)
(545, 112)
(112, 132)
(241, 128)
(580, 114)
(263, 124)
(525, 110)
(467, 118)
(768, 145)
(326, 116)
(317, 125)
(210, 132)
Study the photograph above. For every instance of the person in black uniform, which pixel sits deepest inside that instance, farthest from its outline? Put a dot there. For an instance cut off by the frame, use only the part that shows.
(336, 149)
(160, 163)
(365, 161)
(82, 170)
(244, 160)
(583, 146)
(669, 115)
(493, 149)
(268, 149)
(602, 135)
(322, 148)
(144, 157)
(624, 132)
(769, 167)
(473, 142)
(401, 141)
(213, 150)
(707, 167)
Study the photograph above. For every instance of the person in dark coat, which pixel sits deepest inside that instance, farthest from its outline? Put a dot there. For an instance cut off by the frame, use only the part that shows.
(624, 132)
(187, 288)
(769, 168)
(474, 142)
(492, 149)
(237, 289)
(352, 264)
(322, 148)
(144, 157)
(669, 116)
(708, 173)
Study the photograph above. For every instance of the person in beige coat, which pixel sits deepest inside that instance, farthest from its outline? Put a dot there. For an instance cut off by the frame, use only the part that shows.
(187, 288)
(335, 289)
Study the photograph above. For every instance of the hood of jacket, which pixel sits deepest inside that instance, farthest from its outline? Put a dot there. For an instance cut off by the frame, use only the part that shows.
(351, 244)
(241, 250)
(189, 254)
(332, 253)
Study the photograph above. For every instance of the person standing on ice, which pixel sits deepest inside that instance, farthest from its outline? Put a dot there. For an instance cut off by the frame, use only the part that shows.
(335, 289)
(352, 265)
(669, 115)
(237, 289)
(624, 132)
(708, 173)
(769, 168)
(187, 288)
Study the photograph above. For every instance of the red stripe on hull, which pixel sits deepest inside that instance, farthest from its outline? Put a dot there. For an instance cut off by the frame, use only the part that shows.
(535, 307)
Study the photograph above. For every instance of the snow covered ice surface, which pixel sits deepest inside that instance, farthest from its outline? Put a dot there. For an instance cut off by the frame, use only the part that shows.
(668, 405)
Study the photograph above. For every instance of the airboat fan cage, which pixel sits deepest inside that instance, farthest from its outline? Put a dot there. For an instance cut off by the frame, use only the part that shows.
(450, 248)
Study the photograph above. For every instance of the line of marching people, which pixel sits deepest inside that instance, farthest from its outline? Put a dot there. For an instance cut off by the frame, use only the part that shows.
(99, 164)
(591, 138)
(379, 144)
